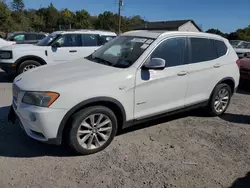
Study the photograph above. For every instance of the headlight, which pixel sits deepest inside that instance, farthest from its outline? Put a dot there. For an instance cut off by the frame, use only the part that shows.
(5, 54)
(42, 99)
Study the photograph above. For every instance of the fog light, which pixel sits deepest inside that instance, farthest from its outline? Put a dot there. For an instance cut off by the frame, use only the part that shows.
(32, 117)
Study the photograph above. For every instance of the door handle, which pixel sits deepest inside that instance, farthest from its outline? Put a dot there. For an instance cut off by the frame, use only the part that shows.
(182, 73)
(72, 51)
(216, 65)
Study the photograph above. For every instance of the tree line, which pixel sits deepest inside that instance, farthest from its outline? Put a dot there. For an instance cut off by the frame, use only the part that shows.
(14, 17)
(239, 34)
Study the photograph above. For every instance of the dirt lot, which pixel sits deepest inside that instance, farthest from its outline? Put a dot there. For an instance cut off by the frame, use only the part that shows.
(186, 151)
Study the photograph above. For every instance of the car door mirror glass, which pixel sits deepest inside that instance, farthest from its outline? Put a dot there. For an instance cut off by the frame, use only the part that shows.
(56, 45)
(155, 63)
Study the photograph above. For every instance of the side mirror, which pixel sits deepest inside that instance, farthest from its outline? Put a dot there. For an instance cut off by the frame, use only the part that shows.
(155, 63)
(56, 45)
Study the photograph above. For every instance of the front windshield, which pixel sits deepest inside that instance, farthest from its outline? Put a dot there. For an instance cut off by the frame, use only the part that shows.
(122, 51)
(47, 40)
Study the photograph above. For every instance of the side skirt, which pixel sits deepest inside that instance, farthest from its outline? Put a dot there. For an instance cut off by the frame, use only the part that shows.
(164, 114)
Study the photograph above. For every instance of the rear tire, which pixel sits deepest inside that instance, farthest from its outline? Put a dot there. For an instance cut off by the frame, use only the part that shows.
(220, 100)
(93, 129)
(27, 65)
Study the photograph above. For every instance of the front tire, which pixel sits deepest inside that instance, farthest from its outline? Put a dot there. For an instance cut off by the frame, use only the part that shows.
(27, 65)
(220, 99)
(93, 129)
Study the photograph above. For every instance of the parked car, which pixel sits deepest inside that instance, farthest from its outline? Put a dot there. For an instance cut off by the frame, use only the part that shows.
(139, 75)
(241, 48)
(26, 37)
(236, 43)
(245, 67)
(58, 47)
(6, 43)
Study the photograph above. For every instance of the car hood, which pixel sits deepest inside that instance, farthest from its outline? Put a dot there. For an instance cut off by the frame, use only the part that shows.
(47, 77)
(22, 47)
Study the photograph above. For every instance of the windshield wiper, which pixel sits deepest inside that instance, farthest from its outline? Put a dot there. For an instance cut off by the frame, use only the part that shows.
(99, 60)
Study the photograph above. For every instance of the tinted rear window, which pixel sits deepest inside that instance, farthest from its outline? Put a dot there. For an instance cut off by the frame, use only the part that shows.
(221, 47)
(202, 50)
(30, 37)
(40, 36)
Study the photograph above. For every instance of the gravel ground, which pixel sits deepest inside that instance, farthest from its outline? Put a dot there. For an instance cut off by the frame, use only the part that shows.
(186, 151)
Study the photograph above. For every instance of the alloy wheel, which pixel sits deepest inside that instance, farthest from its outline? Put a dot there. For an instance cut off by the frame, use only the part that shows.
(28, 67)
(94, 131)
(221, 100)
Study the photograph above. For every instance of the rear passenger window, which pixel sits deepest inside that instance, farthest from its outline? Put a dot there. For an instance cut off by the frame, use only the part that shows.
(172, 51)
(221, 47)
(40, 36)
(202, 50)
(90, 40)
(30, 37)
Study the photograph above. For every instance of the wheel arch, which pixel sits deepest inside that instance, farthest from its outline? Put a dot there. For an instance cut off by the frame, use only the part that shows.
(29, 57)
(229, 81)
(109, 102)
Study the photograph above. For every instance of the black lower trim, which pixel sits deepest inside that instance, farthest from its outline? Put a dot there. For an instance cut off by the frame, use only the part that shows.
(164, 114)
(8, 68)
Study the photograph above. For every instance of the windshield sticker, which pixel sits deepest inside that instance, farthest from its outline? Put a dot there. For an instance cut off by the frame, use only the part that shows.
(149, 41)
(144, 46)
(139, 40)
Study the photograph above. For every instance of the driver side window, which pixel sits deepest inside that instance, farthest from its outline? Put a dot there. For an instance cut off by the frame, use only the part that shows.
(70, 40)
(173, 51)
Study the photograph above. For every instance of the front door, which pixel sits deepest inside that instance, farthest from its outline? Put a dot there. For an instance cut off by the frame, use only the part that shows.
(160, 91)
(69, 49)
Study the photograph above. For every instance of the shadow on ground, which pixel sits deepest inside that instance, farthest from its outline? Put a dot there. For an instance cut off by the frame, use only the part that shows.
(236, 118)
(15, 143)
(242, 182)
(244, 87)
(4, 78)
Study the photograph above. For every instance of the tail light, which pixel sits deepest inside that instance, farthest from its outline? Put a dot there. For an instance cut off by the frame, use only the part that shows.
(238, 63)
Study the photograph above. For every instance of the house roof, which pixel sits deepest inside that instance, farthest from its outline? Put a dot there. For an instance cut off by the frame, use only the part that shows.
(165, 25)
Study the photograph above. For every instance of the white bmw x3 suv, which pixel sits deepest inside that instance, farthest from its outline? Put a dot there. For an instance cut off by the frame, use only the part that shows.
(135, 77)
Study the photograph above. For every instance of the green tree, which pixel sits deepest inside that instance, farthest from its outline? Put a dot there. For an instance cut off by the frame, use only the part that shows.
(107, 21)
(51, 16)
(66, 18)
(5, 17)
(17, 5)
(83, 20)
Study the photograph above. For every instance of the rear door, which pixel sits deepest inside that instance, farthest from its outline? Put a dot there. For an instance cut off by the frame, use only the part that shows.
(204, 70)
(90, 43)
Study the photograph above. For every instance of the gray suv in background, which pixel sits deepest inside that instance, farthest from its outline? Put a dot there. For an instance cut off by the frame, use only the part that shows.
(26, 37)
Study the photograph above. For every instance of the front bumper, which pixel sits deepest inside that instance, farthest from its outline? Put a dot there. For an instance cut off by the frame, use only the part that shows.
(41, 124)
(9, 68)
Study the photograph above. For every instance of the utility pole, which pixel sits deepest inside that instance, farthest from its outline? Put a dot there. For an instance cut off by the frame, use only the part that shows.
(119, 15)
